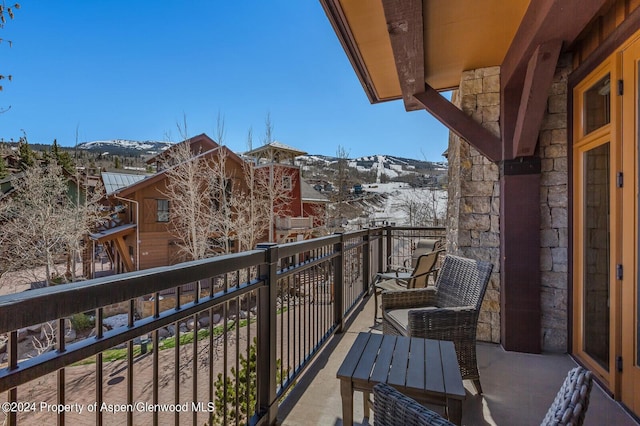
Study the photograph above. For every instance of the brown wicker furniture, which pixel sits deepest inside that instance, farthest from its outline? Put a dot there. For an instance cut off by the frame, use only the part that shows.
(426, 266)
(448, 311)
(392, 408)
(423, 369)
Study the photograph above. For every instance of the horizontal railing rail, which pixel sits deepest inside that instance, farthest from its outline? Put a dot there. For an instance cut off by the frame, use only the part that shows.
(230, 334)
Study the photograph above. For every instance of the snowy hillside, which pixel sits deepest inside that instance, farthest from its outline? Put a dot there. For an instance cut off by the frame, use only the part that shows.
(388, 166)
(400, 204)
(125, 147)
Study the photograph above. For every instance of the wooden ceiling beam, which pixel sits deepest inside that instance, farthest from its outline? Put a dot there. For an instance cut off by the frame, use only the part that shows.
(460, 123)
(533, 102)
(405, 26)
(543, 21)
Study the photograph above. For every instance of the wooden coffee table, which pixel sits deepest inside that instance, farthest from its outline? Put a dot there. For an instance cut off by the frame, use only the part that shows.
(423, 369)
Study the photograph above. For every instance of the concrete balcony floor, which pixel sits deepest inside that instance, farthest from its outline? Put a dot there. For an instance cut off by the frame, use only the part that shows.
(518, 388)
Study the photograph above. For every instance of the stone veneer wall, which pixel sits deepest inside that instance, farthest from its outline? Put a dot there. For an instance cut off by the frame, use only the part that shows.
(554, 200)
(474, 191)
(474, 201)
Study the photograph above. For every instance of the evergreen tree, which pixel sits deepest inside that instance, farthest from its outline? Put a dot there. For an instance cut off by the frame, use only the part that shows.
(62, 157)
(27, 156)
(3, 168)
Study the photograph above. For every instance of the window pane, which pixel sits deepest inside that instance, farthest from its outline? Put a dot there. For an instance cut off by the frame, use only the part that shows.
(163, 211)
(596, 255)
(597, 101)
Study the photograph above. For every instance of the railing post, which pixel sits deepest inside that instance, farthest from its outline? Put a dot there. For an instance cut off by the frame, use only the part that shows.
(267, 336)
(366, 263)
(381, 265)
(389, 241)
(338, 285)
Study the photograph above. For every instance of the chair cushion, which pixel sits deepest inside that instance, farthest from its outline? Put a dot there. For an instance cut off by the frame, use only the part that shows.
(390, 285)
(398, 318)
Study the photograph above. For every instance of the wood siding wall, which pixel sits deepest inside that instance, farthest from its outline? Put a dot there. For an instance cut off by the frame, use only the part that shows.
(595, 34)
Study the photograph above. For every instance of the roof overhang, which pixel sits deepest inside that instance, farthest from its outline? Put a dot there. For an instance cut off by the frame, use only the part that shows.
(414, 49)
(454, 36)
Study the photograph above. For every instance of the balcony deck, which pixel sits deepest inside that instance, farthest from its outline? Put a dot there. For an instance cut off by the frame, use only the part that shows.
(518, 388)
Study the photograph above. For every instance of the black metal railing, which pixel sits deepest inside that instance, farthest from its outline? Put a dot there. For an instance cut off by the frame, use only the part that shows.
(223, 347)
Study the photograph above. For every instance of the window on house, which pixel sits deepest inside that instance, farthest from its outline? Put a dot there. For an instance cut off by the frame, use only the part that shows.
(286, 183)
(597, 105)
(162, 211)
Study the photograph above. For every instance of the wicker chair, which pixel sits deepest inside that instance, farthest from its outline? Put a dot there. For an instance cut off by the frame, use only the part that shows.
(391, 408)
(448, 311)
(572, 400)
(425, 266)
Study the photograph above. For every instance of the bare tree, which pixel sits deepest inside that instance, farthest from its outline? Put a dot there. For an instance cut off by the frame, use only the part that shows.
(422, 207)
(41, 225)
(276, 182)
(85, 217)
(268, 130)
(6, 11)
(340, 209)
(190, 196)
(224, 192)
(250, 206)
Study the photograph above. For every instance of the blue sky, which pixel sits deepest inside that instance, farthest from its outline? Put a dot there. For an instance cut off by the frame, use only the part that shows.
(133, 70)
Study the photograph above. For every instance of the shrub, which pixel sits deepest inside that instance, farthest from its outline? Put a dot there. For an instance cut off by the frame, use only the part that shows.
(82, 322)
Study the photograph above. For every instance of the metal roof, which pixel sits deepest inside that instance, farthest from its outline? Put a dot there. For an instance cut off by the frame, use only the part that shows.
(115, 181)
(275, 146)
(308, 193)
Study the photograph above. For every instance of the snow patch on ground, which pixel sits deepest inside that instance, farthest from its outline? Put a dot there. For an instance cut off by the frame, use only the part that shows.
(397, 195)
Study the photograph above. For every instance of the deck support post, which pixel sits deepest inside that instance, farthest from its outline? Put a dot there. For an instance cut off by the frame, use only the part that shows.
(520, 255)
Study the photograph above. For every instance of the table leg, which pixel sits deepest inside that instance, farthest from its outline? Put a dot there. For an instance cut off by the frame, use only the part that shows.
(346, 392)
(454, 410)
(366, 405)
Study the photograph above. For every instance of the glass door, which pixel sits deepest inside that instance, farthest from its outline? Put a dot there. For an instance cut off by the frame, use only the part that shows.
(595, 218)
(596, 254)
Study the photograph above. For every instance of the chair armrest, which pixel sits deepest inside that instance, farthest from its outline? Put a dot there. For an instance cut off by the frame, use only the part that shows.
(391, 407)
(411, 298)
(397, 268)
(443, 323)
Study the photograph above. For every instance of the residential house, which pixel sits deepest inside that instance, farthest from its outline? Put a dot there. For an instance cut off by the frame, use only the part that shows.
(543, 157)
(304, 209)
(139, 234)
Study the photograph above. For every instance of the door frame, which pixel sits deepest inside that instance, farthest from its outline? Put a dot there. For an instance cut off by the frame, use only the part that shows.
(629, 59)
(581, 144)
(623, 133)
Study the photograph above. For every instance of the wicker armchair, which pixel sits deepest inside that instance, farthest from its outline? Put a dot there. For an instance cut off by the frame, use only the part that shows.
(448, 311)
(572, 400)
(391, 407)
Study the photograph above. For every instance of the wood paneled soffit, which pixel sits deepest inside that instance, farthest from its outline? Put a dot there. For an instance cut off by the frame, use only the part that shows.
(405, 26)
(460, 123)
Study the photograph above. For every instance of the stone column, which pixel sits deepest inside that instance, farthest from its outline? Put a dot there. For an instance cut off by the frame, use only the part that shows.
(474, 192)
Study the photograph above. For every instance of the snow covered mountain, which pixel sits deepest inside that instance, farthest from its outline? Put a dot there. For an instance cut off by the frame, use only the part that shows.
(387, 165)
(125, 147)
